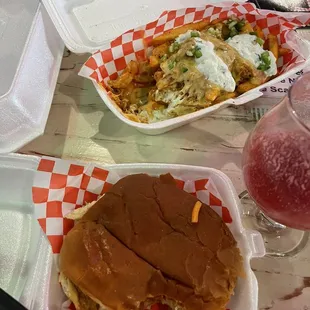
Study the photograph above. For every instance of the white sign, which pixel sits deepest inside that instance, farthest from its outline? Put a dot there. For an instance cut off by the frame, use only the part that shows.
(280, 89)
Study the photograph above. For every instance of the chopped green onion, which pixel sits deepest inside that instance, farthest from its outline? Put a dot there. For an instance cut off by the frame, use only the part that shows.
(253, 33)
(193, 52)
(232, 24)
(263, 67)
(195, 34)
(240, 24)
(265, 57)
(174, 47)
(266, 62)
(260, 41)
(198, 53)
(171, 65)
(184, 69)
(164, 58)
(233, 32)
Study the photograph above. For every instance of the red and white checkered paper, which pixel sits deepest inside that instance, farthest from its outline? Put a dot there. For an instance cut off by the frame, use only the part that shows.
(109, 63)
(61, 186)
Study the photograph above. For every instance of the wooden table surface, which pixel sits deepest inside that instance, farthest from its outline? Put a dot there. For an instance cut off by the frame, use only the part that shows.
(81, 127)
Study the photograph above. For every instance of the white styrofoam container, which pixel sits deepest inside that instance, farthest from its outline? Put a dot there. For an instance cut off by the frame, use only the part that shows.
(34, 278)
(249, 242)
(167, 125)
(87, 26)
(30, 57)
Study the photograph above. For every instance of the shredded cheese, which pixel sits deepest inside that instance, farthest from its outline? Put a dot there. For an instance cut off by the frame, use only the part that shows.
(195, 212)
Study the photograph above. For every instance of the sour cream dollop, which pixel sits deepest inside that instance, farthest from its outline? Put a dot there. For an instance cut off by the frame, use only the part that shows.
(187, 35)
(213, 67)
(249, 49)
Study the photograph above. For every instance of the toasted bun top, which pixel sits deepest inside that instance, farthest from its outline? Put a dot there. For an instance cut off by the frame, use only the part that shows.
(138, 243)
(114, 276)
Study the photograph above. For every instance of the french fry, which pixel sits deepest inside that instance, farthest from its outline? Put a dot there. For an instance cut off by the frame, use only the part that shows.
(212, 93)
(283, 51)
(216, 21)
(266, 46)
(259, 32)
(133, 67)
(225, 97)
(174, 33)
(160, 50)
(244, 87)
(247, 28)
(195, 212)
(132, 117)
(154, 62)
(122, 81)
(259, 79)
(273, 45)
(158, 75)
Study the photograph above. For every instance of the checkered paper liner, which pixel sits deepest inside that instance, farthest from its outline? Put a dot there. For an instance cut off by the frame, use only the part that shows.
(109, 63)
(61, 186)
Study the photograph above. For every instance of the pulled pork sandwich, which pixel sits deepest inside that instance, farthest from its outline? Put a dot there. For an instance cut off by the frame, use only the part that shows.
(145, 242)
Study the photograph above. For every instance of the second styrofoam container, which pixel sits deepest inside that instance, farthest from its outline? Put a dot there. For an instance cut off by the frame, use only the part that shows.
(100, 72)
(30, 57)
(27, 269)
(170, 124)
(87, 26)
(249, 242)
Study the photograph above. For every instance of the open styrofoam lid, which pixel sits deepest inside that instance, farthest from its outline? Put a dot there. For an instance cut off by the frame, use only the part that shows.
(18, 229)
(25, 253)
(87, 25)
(16, 19)
(30, 56)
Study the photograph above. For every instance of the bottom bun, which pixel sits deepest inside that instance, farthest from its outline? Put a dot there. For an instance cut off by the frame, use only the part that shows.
(80, 300)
